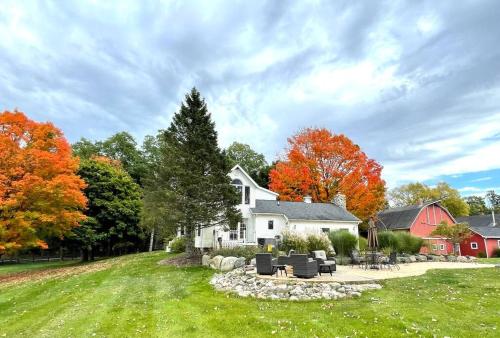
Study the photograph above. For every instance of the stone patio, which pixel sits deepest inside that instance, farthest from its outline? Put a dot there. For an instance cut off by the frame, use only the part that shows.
(348, 274)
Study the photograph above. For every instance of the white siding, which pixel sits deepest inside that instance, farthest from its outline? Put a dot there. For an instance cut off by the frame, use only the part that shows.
(261, 225)
(307, 227)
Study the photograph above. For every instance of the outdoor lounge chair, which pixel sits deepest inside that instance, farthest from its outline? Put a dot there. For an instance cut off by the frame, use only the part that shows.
(303, 266)
(325, 264)
(392, 261)
(265, 262)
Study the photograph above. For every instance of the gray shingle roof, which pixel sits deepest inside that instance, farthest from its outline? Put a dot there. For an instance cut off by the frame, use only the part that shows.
(481, 224)
(398, 218)
(304, 211)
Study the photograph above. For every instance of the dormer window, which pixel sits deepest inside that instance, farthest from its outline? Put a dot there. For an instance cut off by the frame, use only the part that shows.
(239, 187)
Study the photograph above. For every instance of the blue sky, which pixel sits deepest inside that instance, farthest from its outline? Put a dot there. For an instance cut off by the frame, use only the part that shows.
(415, 84)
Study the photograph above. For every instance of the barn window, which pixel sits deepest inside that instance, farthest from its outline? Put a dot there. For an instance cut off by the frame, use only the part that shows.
(434, 247)
(441, 247)
(473, 245)
(499, 243)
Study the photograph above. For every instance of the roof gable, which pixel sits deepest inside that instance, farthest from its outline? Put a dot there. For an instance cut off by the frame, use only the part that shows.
(404, 217)
(482, 225)
(238, 167)
(304, 211)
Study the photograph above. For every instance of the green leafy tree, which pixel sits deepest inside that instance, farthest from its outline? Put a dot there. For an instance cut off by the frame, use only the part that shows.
(456, 233)
(494, 200)
(413, 193)
(114, 207)
(477, 205)
(190, 176)
(121, 147)
(252, 162)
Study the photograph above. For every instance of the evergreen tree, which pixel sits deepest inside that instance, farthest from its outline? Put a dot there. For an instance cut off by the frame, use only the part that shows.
(188, 180)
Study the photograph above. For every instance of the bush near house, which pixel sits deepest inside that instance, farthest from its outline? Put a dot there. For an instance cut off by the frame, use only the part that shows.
(343, 242)
(363, 243)
(481, 255)
(496, 253)
(294, 241)
(408, 243)
(178, 244)
(388, 240)
(318, 242)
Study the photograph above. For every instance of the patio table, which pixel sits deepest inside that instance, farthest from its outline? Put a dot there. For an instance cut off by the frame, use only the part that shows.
(279, 267)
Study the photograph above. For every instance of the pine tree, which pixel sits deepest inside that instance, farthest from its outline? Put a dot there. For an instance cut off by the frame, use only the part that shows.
(189, 182)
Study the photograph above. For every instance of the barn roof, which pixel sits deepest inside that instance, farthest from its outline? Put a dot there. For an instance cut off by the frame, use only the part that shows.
(482, 224)
(304, 211)
(402, 217)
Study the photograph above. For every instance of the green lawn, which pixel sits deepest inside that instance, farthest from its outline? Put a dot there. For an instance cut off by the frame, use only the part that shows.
(138, 297)
(495, 260)
(8, 268)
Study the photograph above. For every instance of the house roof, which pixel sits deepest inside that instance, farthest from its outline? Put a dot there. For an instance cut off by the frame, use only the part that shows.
(252, 180)
(304, 211)
(402, 217)
(482, 225)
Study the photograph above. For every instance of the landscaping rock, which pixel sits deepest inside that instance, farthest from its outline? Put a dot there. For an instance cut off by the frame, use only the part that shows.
(253, 261)
(412, 259)
(452, 258)
(240, 262)
(215, 262)
(205, 260)
(227, 263)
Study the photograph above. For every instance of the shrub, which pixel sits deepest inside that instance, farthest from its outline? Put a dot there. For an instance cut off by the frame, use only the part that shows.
(408, 243)
(247, 251)
(178, 244)
(293, 241)
(496, 253)
(318, 242)
(363, 243)
(388, 240)
(481, 255)
(343, 242)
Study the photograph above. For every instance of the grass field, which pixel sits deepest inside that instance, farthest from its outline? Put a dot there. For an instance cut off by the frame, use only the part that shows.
(8, 268)
(135, 296)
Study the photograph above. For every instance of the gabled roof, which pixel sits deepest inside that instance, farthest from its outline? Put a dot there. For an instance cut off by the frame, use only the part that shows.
(251, 180)
(402, 217)
(304, 211)
(482, 225)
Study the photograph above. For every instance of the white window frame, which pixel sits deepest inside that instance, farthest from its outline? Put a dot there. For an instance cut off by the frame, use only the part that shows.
(498, 242)
(441, 247)
(434, 247)
(474, 245)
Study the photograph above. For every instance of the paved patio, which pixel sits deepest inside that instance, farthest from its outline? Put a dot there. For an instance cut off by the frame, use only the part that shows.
(359, 275)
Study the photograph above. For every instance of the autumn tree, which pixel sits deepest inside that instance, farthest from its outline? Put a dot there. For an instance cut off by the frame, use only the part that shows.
(40, 194)
(413, 193)
(322, 164)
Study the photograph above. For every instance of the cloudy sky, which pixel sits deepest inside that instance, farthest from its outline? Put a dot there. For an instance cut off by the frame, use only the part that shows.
(415, 84)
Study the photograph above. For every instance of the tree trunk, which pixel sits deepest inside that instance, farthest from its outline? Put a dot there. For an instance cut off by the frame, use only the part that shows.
(189, 241)
(61, 253)
(151, 240)
(85, 254)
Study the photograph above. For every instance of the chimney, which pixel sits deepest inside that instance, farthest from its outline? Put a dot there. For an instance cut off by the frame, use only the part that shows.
(340, 201)
(493, 218)
(307, 199)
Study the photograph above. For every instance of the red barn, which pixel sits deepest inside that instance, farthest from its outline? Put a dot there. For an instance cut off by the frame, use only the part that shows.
(486, 235)
(419, 220)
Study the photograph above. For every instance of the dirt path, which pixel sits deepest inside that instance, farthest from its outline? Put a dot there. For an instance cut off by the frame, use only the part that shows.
(21, 277)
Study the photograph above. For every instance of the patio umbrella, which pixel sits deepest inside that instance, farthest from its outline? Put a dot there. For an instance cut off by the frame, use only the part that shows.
(372, 235)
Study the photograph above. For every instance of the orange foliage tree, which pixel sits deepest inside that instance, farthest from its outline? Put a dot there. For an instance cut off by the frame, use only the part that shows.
(321, 164)
(40, 194)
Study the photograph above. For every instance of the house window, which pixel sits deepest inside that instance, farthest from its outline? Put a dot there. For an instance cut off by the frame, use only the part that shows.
(199, 230)
(243, 229)
(247, 195)
(473, 245)
(325, 230)
(434, 247)
(182, 231)
(239, 188)
(270, 225)
(441, 247)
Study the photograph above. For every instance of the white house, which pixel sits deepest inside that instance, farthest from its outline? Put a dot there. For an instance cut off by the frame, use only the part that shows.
(265, 218)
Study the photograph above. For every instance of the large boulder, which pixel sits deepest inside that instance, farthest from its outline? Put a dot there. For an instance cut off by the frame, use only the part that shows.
(227, 263)
(205, 260)
(412, 259)
(240, 262)
(215, 262)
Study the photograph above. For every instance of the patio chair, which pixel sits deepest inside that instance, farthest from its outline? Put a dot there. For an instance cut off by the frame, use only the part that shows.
(265, 262)
(392, 262)
(356, 259)
(325, 264)
(303, 266)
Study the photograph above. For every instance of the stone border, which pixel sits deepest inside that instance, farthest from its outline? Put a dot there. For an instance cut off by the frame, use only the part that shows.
(248, 285)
